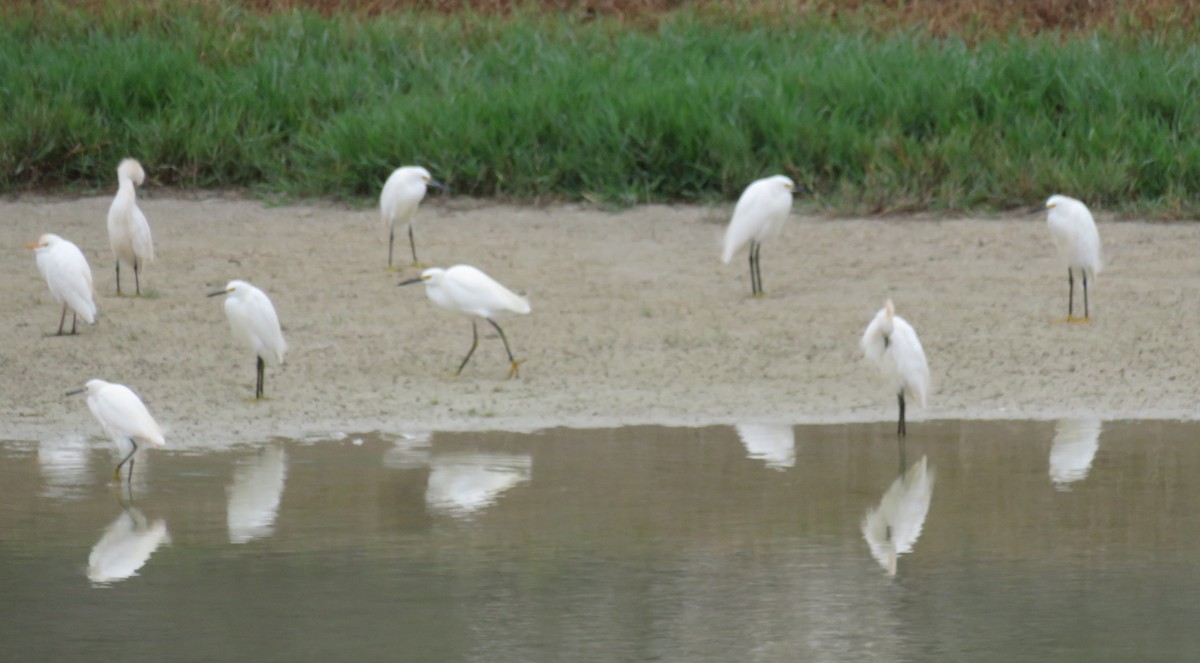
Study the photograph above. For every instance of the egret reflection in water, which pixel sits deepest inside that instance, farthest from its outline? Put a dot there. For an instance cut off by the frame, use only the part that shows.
(892, 528)
(255, 493)
(63, 464)
(774, 444)
(126, 545)
(463, 483)
(410, 452)
(1075, 444)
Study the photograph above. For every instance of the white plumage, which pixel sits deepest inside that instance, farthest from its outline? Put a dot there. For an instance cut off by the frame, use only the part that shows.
(892, 345)
(467, 290)
(1078, 242)
(124, 418)
(125, 547)
(255, 494)
(128, 230)
(759, 214)
(402, 194)
(893, 527)
(70, 278)
(254, 323)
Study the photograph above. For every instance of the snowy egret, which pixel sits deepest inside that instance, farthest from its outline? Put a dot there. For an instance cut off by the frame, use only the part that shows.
(402, 193)
(128, 231)
(253, 321)
(1078, 244)
(892, 344)
(69, 277)
(759, 214)
(123, 417)
(465, 289)
(892, 528)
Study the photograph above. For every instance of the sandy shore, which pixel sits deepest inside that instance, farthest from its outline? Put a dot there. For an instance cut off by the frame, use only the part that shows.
(635, 320)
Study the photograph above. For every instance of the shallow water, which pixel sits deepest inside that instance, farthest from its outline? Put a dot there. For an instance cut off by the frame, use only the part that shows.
(1017, 541)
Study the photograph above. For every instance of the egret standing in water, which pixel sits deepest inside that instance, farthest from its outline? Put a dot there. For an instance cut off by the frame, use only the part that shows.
(892, 345)
(466, 290)
(759, 214)
(69, 277)
(1078, 244)
(402, 194)
(254, 322)
(128, 230)
(124, 418)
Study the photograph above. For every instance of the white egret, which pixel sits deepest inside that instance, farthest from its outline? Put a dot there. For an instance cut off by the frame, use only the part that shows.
(254, 322)
(124, 418)
(402, 194)
(892, 528)
(464, 289)
(1078, 244)
(128, 230)
(892, 345)
(759, 214)
(126, 546)
(69, 277)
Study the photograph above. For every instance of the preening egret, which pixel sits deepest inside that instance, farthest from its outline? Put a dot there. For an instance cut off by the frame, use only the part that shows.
(1078, 244)
(254, 322)
(69, 277)
(123, 417)
(893, 527)
(759, 214)
(892, 344)
(128, 231)
(402, 193)
(464, 289)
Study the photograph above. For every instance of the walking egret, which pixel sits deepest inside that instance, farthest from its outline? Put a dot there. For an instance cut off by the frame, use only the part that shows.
(464, 289)
(402, 194)
(759, 214)
(1078, 244)
(892, 344)
(124, 418)
(69, 277)
(128, 231)
(254, 322)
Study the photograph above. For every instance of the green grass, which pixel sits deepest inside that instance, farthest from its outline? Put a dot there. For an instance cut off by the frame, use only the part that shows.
(295, 104)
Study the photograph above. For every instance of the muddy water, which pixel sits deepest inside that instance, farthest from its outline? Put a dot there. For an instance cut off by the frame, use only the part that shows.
(976, 541)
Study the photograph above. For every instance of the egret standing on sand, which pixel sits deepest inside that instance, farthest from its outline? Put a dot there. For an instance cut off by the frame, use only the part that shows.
(254, 322)
(128, 231)
(759, 214)
(464, 289)
(1078, 244)
(124, 418)
(402, 193)
(892, 344)
(69, 277)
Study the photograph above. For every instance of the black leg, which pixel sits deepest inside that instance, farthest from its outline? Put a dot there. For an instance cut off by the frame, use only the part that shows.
(1085, 304)
(137, 284)
(118, 276)
(512, 371)
(62, 319)
(1070, 294)
(391, 243)
(117, 472)
(412, 243)
(258, 387)
(474, 344)
(73, 316)
(758, 266)
(753, 278)
(901, 431)
(129, 475)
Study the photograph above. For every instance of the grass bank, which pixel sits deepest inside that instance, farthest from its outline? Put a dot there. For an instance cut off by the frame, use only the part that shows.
(542, 105)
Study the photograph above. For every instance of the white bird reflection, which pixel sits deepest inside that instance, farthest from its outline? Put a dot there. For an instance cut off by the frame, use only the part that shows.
(410, 452)
(63, 464)
(775, 444)
(1074, 448)
(126, 545)
(255, 493)
(462, 483)
(893, 527)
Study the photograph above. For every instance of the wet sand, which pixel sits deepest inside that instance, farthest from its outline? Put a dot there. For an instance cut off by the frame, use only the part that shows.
(635, 320)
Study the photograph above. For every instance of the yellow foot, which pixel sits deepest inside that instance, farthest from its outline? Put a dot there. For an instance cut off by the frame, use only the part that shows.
(514, 371)
(1070, 319)
(391, 268)
(759, 295)
(418, 265)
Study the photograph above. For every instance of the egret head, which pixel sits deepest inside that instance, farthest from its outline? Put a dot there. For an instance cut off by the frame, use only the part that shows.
(888, 324)
(230, 288)
(432, 275)
(130, 169)
(91, 387)
(44, 241)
